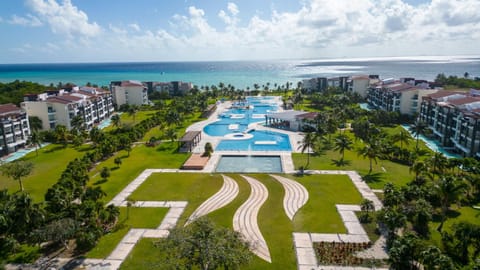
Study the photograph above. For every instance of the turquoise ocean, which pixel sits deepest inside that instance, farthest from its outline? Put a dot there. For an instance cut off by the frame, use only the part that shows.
(240, 74)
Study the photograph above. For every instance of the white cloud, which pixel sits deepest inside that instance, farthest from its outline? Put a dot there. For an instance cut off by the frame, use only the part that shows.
(134, 26)
(64, 18)
(29, 20)
(320, 28)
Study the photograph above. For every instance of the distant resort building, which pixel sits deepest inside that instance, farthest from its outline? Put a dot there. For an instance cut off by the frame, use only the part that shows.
(175, 88)
(403, 96)
(454, 118)
(59, 107)
(129, 92)
(14, 128)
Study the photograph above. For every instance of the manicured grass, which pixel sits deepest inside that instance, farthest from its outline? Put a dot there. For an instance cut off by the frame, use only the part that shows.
(48, 166)
(138, 217)
(318, 215)
(396, 173)
(141, 157)
(192, 187)
(465, 213)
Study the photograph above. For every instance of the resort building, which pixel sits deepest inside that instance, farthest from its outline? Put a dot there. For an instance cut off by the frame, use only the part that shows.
(291, 120)
(454, 118)
(175, 88)
(14, 128)
(359, 84)
(60, 107)
(396, 96)
(129, 92)
(315, 85)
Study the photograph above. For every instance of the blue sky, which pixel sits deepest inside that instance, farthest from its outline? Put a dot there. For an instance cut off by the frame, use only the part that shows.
(152, 30)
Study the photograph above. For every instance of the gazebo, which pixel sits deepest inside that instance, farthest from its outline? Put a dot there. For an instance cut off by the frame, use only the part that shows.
(189, 140)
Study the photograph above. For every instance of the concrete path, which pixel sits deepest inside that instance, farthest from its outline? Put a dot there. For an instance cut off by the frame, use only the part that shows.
(121, 251)
(245, 219)
(295, 197)
(224, 196)
(303, 242)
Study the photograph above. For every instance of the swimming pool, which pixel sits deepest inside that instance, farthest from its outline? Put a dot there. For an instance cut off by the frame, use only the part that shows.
(261, 141)
(233, 126)
(250, 164)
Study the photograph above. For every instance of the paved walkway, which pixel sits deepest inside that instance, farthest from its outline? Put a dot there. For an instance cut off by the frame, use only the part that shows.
(295, 197)
(303, 242)
(121, 251)
(224, 196)
(245, 219)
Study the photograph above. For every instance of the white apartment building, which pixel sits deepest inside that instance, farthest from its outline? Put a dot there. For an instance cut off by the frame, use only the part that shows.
(60, 107)
(395, 96)
(359, 84)
(129, 92)
(14, 128)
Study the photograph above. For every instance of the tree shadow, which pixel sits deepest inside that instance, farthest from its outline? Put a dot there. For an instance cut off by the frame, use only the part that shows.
(101, 181)
(373, 177)
(341, 162)
(55, 148)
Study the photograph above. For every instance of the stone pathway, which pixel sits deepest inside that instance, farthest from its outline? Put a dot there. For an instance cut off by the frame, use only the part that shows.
(224, 196)
(303, 242)
(121, 251)
(295, 197)
(245, 219)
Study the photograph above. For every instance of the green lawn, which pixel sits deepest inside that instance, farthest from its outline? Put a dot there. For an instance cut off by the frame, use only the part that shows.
(48, 166)
(138, 217)
(141, 157)
(318, 215)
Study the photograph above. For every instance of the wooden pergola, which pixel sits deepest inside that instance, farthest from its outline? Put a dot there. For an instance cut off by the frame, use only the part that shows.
(190, 140)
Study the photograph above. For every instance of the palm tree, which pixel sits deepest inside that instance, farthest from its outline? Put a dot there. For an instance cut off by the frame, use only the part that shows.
(448, 189)
(370, 151)
(132, 111)
(17, 170)
(171, 134)
(78, 123)
(116, 121)
(62, 135)
(36, 140)
(307, 144)
(438, 163)
(418, 167)
(342, 143)
(35, 123)
(402, 137)
(417, 129)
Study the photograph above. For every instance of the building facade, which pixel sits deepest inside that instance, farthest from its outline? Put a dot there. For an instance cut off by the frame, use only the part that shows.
(395, 96)
(454, 119)
(129, 92)
(315, 85)
(60, 107)
(175, 88)
(14, 128)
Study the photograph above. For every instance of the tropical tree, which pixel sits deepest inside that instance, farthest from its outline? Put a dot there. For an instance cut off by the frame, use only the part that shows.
(448, 189)
(132, 111)
(118, 161)
(372, 152)
(78, 123)
(105, 173)
(417, 129)
(171, 134)
(308, 143)
(342, 143)
(62, 135)
(202, 245)
(401, 137)
(35, 123)
(432, 258)
(116, 121)
(17, 170)
(36, 140)
(402, 254)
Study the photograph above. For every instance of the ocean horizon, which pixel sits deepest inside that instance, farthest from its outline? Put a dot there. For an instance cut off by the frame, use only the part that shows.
(241, 74)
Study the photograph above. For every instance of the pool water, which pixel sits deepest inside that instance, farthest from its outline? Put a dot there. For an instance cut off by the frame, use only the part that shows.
(261, 141)
(236, 121)
(250, 164)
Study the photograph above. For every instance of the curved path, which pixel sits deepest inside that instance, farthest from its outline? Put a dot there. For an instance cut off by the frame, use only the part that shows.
(245, 219)
(224, 196)
(295, 197)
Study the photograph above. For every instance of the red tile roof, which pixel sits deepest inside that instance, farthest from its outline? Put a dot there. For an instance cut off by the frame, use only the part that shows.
(462, 101)
(9, 108)
(443, 93)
